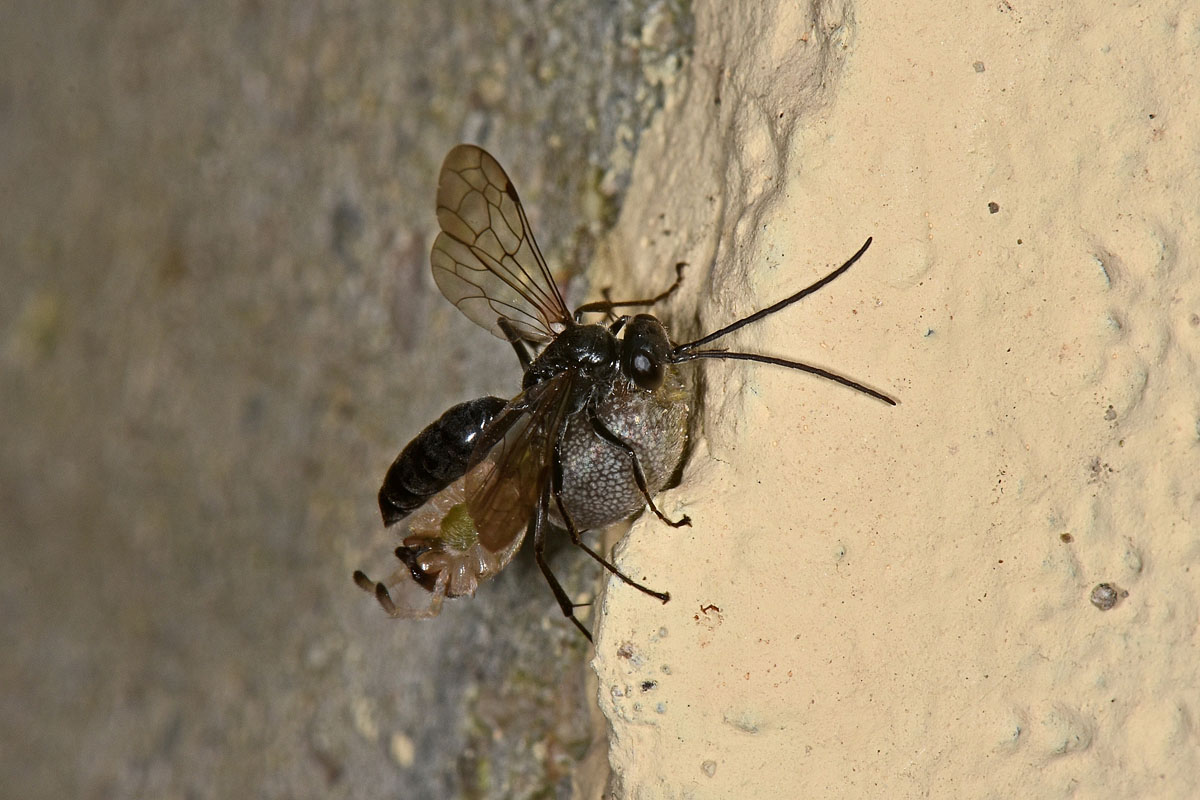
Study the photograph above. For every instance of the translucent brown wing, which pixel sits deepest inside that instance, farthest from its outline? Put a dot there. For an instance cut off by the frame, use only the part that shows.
(485, 260)
(519, 444)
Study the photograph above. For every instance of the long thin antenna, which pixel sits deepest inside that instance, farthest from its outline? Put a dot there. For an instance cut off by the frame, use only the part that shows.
(766, 312)
(688, 351)
(781, 362)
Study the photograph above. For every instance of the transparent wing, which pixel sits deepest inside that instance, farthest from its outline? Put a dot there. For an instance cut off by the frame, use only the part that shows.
(502, 497)
(485, 260)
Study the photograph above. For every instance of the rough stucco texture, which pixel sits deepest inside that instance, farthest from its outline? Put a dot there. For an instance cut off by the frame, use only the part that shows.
(896, 602)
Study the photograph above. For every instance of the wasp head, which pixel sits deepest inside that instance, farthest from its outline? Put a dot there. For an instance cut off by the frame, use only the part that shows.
(645, 351)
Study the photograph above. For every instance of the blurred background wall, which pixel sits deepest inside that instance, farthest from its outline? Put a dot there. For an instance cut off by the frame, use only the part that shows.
(218, 327)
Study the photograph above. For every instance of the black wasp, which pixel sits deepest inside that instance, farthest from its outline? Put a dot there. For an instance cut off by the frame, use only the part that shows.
(598, 428)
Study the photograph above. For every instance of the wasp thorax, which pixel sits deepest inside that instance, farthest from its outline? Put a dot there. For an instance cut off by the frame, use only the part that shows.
(589, 351)
(645, 351)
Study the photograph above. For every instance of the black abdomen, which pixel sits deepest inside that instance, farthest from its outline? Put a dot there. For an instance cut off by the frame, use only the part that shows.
(437, 457)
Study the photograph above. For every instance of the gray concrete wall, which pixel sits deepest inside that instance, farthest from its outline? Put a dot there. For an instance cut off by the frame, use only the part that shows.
(218, 328)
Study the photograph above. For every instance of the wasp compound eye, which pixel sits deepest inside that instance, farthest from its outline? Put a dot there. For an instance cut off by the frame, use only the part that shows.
(645, 352)
(646, 371)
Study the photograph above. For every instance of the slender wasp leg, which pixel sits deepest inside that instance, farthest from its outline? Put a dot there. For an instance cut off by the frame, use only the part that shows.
(577, 540)
(606, 306)
(537, 530)
(638, 475)
(606, 293)
(519, 345)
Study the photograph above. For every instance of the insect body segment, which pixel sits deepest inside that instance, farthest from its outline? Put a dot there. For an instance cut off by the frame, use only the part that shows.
(597, 430)
(436, 458)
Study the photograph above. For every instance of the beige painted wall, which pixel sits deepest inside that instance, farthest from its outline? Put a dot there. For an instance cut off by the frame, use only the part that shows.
(903, 592)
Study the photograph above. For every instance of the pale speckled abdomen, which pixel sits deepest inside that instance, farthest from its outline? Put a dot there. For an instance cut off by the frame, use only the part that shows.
(598, 484)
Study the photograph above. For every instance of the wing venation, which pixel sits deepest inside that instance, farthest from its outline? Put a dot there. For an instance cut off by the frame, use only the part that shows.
(485, 260)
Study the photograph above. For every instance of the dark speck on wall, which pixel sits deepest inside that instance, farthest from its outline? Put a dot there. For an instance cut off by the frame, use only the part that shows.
(1107, 595)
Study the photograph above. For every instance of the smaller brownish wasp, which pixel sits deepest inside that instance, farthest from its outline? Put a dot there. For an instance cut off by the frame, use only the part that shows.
(597, 429)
